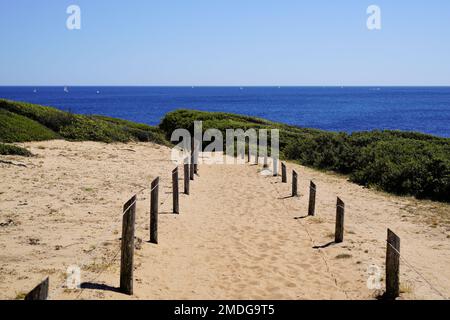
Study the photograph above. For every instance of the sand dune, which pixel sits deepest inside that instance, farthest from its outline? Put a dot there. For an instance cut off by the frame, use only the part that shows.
(239, 235)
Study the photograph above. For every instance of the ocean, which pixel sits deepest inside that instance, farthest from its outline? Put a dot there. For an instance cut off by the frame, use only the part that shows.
(348, 109)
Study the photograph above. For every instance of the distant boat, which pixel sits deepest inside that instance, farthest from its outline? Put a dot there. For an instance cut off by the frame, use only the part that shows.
(35, 90)
(98, 92)
(66, 89)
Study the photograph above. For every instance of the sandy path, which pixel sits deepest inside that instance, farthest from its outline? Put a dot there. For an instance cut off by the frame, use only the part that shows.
(239, 235)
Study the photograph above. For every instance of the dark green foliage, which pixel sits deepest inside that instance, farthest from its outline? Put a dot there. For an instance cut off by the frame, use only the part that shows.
(405, 163)
(26, 122)
(17, 128)
(6, 149)
(139, 131)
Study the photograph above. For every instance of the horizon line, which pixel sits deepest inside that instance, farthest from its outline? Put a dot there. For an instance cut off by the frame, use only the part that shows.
(232, 86)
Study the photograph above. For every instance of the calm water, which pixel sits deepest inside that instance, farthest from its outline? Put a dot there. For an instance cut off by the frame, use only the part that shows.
(330, 108)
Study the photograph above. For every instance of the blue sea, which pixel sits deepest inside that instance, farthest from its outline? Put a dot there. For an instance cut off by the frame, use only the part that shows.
(348, 109)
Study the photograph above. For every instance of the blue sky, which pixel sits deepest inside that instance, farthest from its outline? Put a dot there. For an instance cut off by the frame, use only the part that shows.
(227, 42)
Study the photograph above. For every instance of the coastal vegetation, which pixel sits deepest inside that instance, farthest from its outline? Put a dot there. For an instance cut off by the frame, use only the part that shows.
(21, 122)
(404, 163)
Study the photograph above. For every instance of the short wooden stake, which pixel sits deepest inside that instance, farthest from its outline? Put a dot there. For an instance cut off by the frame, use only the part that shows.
(40, 292)
(275, 167)
(312, 199)
(193, 160)
(339, 233)
(265, 165)
(191, 167)
(283, 173)
(175, 192)
(186, 178)
(294, 183)
(154, 205)
(127, 246)
(392, 265)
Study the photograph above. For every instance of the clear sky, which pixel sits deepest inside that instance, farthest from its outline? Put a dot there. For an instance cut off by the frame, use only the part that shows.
(226, 42)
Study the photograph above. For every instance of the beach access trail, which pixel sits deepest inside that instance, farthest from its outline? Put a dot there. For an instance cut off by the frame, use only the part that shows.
(239, 234)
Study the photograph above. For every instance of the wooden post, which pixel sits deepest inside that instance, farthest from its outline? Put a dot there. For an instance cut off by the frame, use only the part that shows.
(186, 177)
(294, 184)
(40, 292)
(257, 156)
(154, 204)
(127, 246)
(249, 156)
(339, 233)
(191, 167)
(265, 165)
(283, 173)
(195, 159)
(312, 199)
(275, 167)
(392, 265)
(175, 192)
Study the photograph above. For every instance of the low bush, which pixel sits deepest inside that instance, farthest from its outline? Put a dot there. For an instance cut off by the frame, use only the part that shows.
(405, 163)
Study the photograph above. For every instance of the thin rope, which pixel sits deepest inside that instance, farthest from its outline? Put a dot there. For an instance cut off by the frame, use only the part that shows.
(119, 250)
(314, 244)
(132, 204)
(415, 270)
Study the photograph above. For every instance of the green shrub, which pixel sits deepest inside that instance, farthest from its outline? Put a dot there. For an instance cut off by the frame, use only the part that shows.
(406, 163)
(29, 122)
(17, 128)
(7, 149)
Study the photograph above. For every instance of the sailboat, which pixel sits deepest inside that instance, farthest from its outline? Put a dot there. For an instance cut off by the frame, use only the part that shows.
(35, 91)
(66, 89)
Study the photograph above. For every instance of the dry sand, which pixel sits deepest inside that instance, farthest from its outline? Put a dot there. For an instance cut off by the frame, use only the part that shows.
(239, 234)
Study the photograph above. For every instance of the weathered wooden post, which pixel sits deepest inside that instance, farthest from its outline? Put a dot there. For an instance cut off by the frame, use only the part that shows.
(283, 173)
(339, 233)
(127, 246)
(195, 156)
(249, 155)
(265, 165)
(392, 265)
(175, 192)
(191, 167)
(294, 184)
(154, 205)
(312, 199)
(40, 292)
(275, 167)
(257, 155)
(186, 176)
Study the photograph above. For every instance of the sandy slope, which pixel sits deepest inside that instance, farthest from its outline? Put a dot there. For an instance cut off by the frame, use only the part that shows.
(239, 234)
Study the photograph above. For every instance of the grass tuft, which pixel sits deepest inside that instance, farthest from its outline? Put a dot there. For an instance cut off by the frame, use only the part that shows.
(7, 149)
